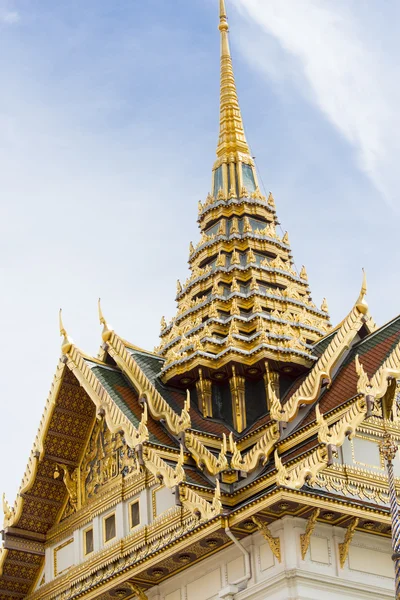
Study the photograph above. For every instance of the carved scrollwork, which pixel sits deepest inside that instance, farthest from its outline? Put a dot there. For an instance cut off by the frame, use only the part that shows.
(273, 542)
(306, 536)
(198, 506)
(345, 426)
(306, 470)
(161, 470)
(345, 545)
(71, 482)
(258, 454)
(204, 458)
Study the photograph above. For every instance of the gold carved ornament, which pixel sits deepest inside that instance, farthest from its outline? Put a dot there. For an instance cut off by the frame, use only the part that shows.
(322, 370)
(71, 482)
(7, 511)
(161, 470)
(306, 470)
(273, 542)
(260, 452)
(345, 545)
(306, 537)
(107, 457)
(377, 387)
(204, 458)
(198, 506)
(158, 407)
(346, 426)
(138, 591)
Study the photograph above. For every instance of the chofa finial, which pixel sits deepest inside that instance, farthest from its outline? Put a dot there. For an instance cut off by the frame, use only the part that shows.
(67, 342)
(107, 331)
(361, 303)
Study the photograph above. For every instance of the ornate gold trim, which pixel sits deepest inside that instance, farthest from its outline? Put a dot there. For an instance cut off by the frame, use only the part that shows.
(260, 453)
(306, 537)
(198, 506)
(161, 470)
(306, 469)
(345, 545)
(159, 408)
(203, 457)
(346, 426)
(322, 370)
(273, 542)
(14, 513)
(115, 418)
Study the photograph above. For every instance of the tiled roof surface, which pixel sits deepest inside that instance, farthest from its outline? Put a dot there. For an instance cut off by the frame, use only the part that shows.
(373, 350)
(151, 367)
(126, 398)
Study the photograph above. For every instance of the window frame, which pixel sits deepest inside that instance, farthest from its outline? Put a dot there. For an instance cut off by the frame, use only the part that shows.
(85, 531)
(105, 517)
(136, 501)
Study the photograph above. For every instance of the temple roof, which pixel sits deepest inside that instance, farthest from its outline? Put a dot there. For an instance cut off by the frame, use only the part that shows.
(245, 402)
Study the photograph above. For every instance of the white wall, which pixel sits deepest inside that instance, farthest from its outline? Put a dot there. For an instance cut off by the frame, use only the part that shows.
(367, 574)
(156, 500)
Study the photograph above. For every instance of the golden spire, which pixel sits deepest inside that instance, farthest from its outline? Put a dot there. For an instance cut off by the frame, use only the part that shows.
(232, 137)
(67, 342)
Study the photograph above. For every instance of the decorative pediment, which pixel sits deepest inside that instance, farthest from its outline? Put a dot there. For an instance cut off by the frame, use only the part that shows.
(107, 457)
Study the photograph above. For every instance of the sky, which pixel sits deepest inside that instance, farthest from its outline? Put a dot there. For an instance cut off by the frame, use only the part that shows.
(108, 130)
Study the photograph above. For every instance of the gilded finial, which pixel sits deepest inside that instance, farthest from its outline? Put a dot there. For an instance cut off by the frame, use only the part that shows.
(187, 401)
(178, 287)
(107, 330)
(303, 273)
(324, 305)
(163, 323)
(67, 342)
(361, 303)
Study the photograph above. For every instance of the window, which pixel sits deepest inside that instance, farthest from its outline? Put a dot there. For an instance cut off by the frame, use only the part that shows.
(134, 514)
(88, 543)
(109, 528)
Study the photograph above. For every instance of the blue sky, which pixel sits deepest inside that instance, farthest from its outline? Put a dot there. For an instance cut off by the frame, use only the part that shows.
(108, 128)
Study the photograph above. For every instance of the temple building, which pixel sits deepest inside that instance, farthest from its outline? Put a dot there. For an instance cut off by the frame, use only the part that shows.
(246, 458)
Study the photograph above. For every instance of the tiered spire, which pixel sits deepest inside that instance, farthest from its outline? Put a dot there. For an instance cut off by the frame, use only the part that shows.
(244, 304)
(232, 137)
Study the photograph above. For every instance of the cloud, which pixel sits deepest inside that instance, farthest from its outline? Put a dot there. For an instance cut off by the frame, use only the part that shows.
(8, 14)
(343, 60)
